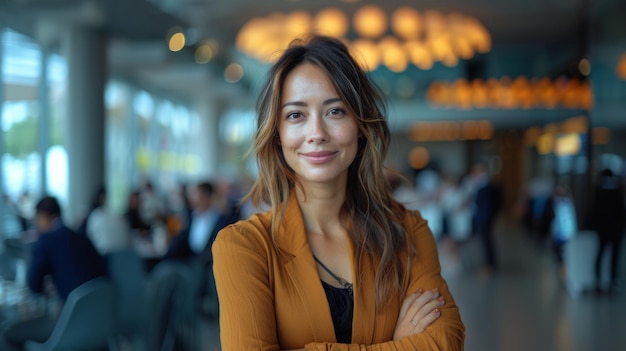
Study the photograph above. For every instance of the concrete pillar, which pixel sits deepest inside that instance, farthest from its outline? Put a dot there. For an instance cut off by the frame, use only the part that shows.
(2, 190)
(44, 120)
(209, 111)
(86, 60)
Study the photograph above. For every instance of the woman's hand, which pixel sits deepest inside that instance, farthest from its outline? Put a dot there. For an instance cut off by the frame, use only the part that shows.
(418, 311)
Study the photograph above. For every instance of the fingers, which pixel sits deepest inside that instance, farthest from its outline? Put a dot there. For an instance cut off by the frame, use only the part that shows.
(418, 311)
(422, 323)
(421, 300)
(428, 312)
(408, 301)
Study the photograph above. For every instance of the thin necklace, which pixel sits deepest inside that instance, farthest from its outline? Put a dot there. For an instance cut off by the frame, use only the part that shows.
(344, 283)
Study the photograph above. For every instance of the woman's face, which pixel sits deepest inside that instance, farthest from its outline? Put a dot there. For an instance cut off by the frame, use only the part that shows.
(318, 136)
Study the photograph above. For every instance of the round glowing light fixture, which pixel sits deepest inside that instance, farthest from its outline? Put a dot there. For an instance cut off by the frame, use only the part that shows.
(203, 54)
(370, 21)
(406, 23)
(177, 42)
(366, 53)
(584, 67)
(419, 157)
(233, 73)
(332, 22)
(297, 23)
(621, 67)
(421, 39)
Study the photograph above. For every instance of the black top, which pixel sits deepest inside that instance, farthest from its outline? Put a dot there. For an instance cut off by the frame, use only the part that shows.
(341, 310)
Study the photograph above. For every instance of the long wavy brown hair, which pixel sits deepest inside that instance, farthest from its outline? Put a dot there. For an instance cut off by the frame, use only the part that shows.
(374, 215)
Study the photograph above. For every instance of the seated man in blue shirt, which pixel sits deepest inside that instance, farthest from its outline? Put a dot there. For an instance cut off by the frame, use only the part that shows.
(195, 241)
(193, 244)
(68, 258)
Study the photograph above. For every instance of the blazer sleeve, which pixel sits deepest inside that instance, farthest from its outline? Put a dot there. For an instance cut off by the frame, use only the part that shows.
(243, 279)
(447, 332)
(39, 266)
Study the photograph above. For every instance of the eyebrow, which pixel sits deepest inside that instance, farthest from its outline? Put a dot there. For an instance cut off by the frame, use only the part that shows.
(302, 103)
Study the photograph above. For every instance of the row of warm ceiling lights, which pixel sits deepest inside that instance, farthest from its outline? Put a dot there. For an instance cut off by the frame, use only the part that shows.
(421, 39)
(621, 67)
(419, 157)
(559, 138)
(544, 139)
(204, 53)
(511, 94)
(451, 131)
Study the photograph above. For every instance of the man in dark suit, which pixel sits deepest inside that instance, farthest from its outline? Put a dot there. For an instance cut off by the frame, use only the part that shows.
(608, 220)
(193, 244)
(195, 241)
(70, 259)
(67, 257)
(487, 203)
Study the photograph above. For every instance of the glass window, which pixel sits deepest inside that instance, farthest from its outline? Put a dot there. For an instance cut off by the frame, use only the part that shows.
(118, 145)
(21, 69)
(57, 177)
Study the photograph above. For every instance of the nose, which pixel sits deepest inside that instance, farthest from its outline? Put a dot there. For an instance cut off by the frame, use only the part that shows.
(317, 132)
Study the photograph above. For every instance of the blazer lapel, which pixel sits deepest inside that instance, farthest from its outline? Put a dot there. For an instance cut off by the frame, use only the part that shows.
(302, 273)
(369, 325)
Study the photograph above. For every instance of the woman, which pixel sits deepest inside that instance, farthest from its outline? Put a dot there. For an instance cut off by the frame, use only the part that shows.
(336, 263)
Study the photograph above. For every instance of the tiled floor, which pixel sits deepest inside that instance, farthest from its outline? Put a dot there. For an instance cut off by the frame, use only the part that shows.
(523, 306)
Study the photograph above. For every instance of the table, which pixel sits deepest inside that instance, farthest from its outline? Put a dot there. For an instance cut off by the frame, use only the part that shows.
(151, 252)
(18, 303)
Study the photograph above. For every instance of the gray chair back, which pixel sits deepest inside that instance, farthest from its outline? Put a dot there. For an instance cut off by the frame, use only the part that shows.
(127, 272)
(87, 319)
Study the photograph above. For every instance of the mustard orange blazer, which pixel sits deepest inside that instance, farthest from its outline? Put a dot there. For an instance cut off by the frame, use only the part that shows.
(273, 299)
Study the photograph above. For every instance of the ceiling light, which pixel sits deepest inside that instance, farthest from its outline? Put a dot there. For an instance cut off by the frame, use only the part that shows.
(406, 23)
(177, 42)
(332, 22)
(621, 67)
(370, 21)
(411, 38)
(233, 73)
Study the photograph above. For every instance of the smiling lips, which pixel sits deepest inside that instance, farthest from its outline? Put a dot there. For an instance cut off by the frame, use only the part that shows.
(319, 157)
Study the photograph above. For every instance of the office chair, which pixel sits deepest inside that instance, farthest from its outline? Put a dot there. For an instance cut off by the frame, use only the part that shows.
(127, 272)
(86, 322)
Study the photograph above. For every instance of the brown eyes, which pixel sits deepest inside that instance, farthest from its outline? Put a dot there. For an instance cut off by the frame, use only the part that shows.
(333, 112)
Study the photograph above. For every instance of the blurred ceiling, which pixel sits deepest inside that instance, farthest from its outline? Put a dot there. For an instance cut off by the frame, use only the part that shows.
(138, 30)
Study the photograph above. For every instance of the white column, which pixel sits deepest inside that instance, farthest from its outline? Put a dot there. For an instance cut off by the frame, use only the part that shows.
(209, 111)
(2, 190)
(86, 61)
(44, 119)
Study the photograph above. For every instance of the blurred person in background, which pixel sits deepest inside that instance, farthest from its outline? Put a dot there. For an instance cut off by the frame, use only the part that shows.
(428, 191)
(539, 209)
(98, 203)
(206, 221)
(337, 263)
(133, 215)
(26, 209)
(68, 258)
(487, 203)
(107, 231)
(608, 215)
(180, 208)
(193, 244)
(564, 224)
(457, 220)
(151, 207)
(10, 220)
(227, 199)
